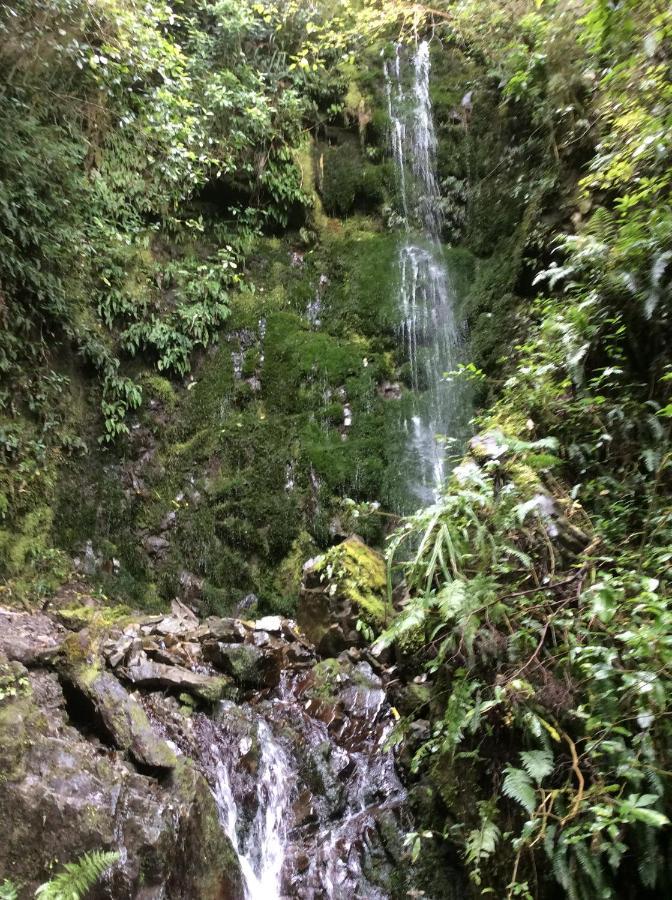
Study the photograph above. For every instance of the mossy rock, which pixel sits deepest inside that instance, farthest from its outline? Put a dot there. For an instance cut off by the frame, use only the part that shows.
(343, 586)
(359, 572)
(348, 182)
(326, 677)
(78, 617)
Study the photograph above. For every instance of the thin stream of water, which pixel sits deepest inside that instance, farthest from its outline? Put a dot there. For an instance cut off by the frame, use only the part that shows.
(262, 854)
(429, 332)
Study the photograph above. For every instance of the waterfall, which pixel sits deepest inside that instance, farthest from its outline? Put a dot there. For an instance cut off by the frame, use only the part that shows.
(302, 784)
(429, 332)
(262, 852)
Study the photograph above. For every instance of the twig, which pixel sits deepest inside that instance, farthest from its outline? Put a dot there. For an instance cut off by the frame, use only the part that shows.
(579, 777)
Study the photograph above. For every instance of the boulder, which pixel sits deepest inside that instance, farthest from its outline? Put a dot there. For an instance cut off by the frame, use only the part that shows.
(63, 793)
(118, 715)
(228, 630)
(27, 638)
(248, 665)
(346, 584)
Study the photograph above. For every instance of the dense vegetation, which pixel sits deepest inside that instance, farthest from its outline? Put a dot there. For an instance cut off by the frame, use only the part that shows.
(540, 581)
(172, 175)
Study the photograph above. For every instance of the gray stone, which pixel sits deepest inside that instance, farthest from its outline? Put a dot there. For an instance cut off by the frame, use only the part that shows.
(144, 672)
(121, 718)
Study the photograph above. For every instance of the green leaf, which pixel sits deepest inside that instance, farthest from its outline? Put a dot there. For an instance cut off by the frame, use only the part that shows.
(537, 763)
(518, 786)
(648, 816)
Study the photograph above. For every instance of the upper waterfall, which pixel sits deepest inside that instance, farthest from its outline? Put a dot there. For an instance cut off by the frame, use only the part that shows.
(430, 332)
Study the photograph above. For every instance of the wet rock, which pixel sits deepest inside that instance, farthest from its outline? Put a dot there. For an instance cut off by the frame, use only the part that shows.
(247, 664)
(333, 641)
(304, 754)
(143, 672)
(302, 862)
(413, 698)
(303, 809)
(323, 778)
(344, 585)
(63, 794)
(121, 719)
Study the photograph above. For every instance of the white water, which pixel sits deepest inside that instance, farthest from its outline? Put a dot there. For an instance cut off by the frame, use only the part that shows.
(262, 852)
(301, 785)
(429, 332)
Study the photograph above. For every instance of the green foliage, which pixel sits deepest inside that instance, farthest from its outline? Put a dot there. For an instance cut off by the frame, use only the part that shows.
(540, 578)
(73, 883)
(77, 877)
(130, 111)
(8, 891)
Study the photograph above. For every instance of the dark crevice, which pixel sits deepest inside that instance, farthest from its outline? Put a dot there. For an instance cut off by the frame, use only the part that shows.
(83, 715)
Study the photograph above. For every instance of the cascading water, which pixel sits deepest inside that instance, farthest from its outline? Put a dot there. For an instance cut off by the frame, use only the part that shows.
(262, 853)
(302, 783)
(429, 332)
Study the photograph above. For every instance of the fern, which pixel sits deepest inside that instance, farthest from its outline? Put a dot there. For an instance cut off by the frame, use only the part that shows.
(602, 225)
(482, 842)
(650, 862)
(518, 786)
(537, 763)
(8, 890)
(78, 877)
(592, 868)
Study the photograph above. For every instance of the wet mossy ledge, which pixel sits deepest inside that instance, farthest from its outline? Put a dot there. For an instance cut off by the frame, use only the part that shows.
(231, 480)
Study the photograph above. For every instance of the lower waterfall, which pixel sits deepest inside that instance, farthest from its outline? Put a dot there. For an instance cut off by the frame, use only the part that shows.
(306, 791)
(263, 854)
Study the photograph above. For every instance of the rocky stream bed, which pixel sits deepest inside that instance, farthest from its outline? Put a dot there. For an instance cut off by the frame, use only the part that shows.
(221, 758)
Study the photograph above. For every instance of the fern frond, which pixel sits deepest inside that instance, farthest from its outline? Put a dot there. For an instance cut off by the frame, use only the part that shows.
(518, 786)
(8, 890)
(482, 842)
(650, 862)
(77, 877)
(537, 763)
(561, 868)
(591, 865)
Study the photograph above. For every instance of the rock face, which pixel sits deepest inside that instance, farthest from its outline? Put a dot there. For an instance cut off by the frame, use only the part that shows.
(86, 764)
(345, 585)
(65, 792)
